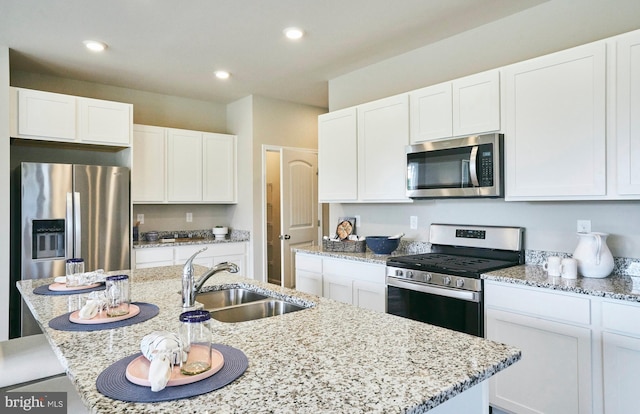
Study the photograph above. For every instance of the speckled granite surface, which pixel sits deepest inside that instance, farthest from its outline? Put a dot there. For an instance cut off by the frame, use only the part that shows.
(615, 287)
(404, 249)
(329, 358)
(198, 238)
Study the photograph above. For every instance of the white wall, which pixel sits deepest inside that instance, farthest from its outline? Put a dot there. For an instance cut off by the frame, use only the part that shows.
(148, 108)
(276, 123)
(5, 275)
(549, 27)
(240, 123)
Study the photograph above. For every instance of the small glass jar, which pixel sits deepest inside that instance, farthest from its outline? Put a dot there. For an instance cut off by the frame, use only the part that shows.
(74, 270)
(118, 295)
(196, 336)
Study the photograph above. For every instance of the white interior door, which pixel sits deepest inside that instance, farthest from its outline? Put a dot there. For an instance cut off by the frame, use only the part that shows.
(299, 206)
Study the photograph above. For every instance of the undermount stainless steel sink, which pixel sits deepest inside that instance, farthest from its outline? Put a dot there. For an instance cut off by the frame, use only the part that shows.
(240, 305)
(254, 310)
(217, 299)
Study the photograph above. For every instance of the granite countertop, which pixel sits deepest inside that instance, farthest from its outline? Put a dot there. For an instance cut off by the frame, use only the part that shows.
(189, 241)
(613, 287)
(368, 256)
(331, 357)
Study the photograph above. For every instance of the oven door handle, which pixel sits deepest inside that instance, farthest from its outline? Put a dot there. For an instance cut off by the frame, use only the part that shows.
(456, 294)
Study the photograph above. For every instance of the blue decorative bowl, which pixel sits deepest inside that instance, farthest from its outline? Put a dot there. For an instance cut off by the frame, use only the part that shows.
(382, 244)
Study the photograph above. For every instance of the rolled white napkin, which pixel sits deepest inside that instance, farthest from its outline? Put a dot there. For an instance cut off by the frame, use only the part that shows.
(89, 310)
(163, 349)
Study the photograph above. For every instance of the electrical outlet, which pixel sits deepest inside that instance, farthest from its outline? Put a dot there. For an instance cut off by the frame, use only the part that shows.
(357, 220)
(189, 217)
(413, 222)
(584, 226)
(140, 218)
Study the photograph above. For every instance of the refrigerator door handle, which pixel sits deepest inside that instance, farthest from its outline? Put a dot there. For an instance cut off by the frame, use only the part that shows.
(77, 225)
(68, 248)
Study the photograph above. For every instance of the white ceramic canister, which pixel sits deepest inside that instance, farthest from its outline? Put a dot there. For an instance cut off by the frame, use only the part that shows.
(593, 255)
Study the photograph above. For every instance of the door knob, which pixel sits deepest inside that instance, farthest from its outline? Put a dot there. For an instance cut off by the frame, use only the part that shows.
(284, 237)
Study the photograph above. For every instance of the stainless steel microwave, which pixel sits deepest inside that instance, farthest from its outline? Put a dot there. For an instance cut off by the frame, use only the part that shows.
(455, 168)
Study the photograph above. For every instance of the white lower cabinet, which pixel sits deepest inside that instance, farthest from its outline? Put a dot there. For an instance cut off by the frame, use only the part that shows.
(153, 257)
(554, 375)
(178, 255)
(580, 354)
(620, 356)
(348, 281)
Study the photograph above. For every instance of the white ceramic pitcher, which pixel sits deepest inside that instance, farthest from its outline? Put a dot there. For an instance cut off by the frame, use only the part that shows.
(593, 255)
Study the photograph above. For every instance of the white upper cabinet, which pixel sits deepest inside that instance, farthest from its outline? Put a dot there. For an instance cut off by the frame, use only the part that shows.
(219, 167)
(555, 137)
(57, 117)
(184, 165)
(104, 122)
(361, 152)
(628, 114)
(431, 115)
(46, 114)
(383, 134)
(338, 156)
(476, 103)
(148, 172)
(178, 166)
(465, 106)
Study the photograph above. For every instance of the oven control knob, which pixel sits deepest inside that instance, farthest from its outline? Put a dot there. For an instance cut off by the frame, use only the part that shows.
(409, 274)
(446, 280)
(459, 283)
(398, 272)
(427, 277)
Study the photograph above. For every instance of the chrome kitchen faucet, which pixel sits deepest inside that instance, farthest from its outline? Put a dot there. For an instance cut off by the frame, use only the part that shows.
(190, 287)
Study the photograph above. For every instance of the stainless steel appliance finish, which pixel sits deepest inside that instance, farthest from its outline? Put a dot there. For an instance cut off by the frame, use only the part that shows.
(444, 287)
(455, 168)
(73, 211)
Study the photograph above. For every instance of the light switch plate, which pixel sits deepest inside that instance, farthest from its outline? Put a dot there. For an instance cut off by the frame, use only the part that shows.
(413, 222)
(189, 217)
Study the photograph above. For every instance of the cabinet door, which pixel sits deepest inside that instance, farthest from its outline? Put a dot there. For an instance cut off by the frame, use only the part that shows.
(383, 134)
(153, 257)
(554, 374)
(148, 172)
(184, 165)
(219, 168)
(621, 360)
(628, 110)
(431, 115)
(369, 295)
(104, 122)
(337, 156)
(476, 103)
(338, 288)
(46, 115)
(309, 282)
(555, 126)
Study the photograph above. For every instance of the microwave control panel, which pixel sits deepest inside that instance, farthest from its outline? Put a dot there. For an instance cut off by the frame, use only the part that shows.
(485, 178)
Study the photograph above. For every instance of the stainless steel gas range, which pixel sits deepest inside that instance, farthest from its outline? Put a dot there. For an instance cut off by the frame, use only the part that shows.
(444, 287)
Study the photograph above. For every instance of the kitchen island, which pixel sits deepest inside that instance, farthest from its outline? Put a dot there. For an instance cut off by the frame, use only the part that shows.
(330, 357)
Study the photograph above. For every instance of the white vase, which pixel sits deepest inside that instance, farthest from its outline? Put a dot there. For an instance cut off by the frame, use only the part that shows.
(593, 255)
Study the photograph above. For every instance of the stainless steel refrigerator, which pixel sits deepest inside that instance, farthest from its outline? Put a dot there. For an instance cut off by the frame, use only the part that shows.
(70, 210)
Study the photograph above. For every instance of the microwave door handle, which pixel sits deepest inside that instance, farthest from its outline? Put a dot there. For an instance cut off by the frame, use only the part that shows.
(472, 166)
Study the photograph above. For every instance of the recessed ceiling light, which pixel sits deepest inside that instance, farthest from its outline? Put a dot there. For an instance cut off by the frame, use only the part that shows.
(222, 74)
(95, 46)
(293, 33)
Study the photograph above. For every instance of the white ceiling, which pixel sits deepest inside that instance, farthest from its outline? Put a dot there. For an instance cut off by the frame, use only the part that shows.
(172, 47)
